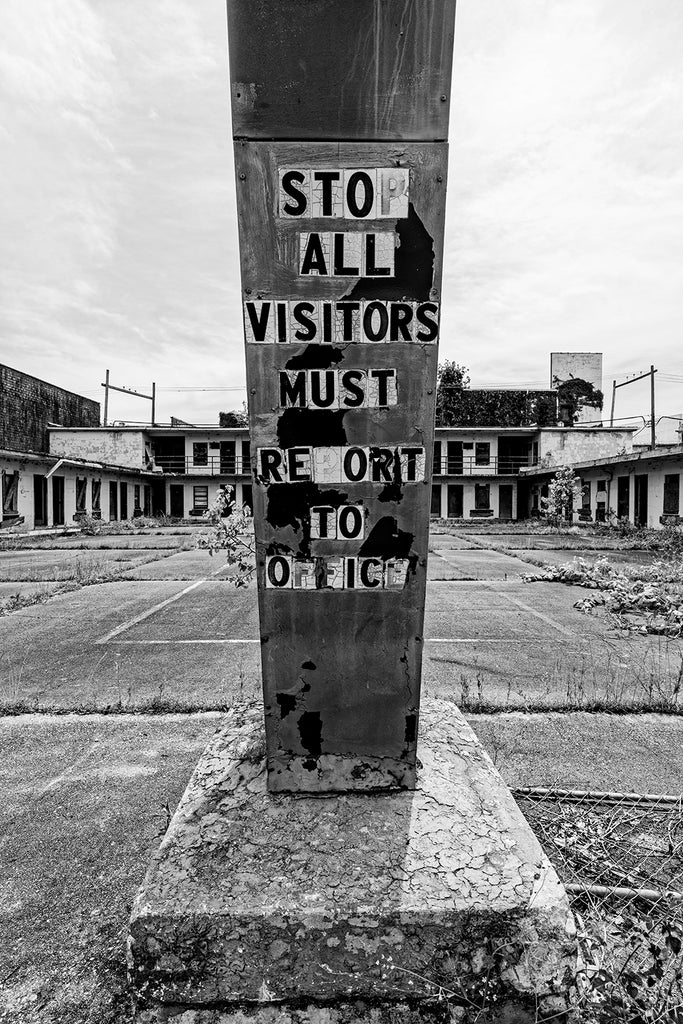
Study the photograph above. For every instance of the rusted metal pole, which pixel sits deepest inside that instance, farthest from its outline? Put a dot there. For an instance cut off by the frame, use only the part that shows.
(614, 395)
(106, 397)
(596, 796)
(651, 895)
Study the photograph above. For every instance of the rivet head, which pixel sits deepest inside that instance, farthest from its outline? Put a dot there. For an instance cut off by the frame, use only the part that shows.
(444, 98)
(243, 176)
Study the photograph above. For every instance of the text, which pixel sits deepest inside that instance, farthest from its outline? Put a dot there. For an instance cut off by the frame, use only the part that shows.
(338, 389)
(323, 322)
(347, 254)
(363, 194)
(402, 463)
(286, 573)
(344, 523)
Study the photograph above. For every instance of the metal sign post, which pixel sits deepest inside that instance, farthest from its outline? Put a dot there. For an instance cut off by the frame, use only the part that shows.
(308, 907)
(341, 218)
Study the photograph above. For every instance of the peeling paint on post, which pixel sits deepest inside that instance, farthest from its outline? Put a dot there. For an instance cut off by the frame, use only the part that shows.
(341, 249)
